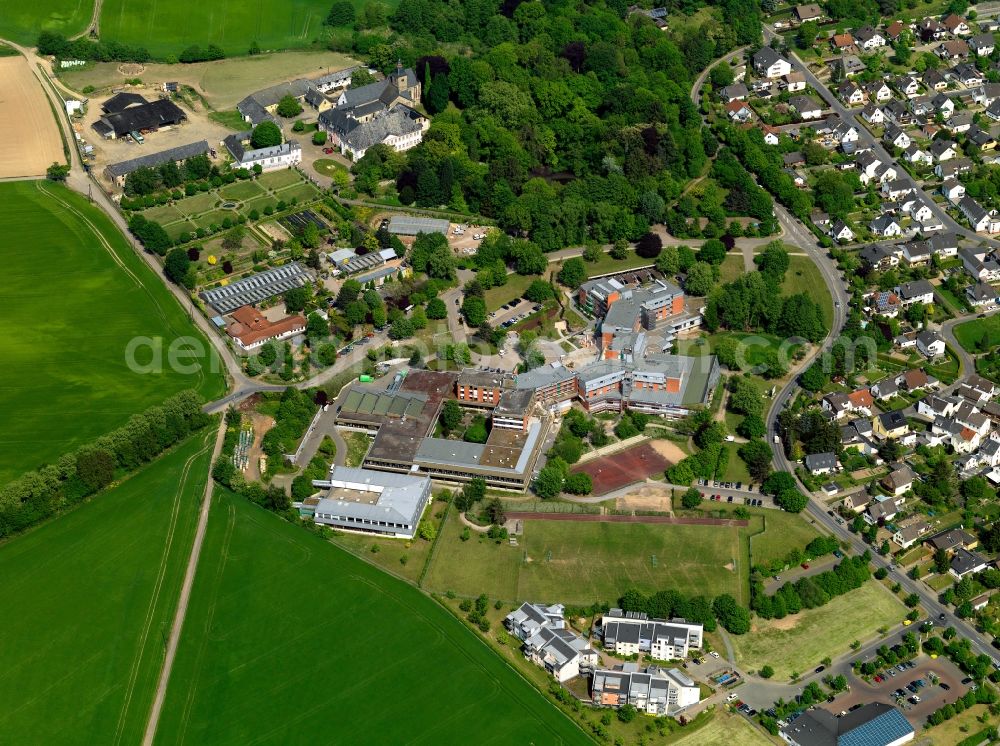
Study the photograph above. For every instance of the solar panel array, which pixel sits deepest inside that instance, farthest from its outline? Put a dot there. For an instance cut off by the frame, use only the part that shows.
(260, 286)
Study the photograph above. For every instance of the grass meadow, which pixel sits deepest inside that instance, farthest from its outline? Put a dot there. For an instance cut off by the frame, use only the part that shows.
(726, 729)
(289, 639)
(21, 23)
(92, 596)
(584, 562)
(798, 643)
(971, 334)
(75, 294)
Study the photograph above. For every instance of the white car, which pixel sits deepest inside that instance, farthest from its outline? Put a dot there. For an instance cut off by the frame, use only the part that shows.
(714, 654)
(731, 696)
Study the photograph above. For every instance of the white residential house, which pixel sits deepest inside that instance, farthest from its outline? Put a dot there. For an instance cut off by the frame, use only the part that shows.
(981, 219)
(916, 253)
(872, 114)
(919, 210)
(993, 110)
(983, 44)
(956, 25)
(981, 294)
(878, 90)
(772, 135)
(917, 291)
(840, 231)
(794, 81)
(886, 226)
(818, 464)
(896, 137)
(930, 344)
(850, 93)
(908, 535)
(869, 39)
(895, 190)
(953, 190)
(967, 74)
(769, 64)
(806, 107)
(979, 266)
(529, 619)
(943, 150)
(933, 406)
(739, 112)
(908, 85)
(915, 154)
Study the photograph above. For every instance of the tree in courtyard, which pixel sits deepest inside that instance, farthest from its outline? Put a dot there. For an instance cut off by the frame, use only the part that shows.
(713, 252)
(474, 310)
(296, 299)
(538, 291)
(691, 499)
(289, 107)
(451, 415)
(766, 672)
(265, 135)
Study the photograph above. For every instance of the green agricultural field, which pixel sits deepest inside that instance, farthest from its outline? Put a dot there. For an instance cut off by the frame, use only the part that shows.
(798, 643)
(75, 295)
(169, 28)
(95, 593)
(583, 562)
(289, 639)
(973, 333)
(21, 23)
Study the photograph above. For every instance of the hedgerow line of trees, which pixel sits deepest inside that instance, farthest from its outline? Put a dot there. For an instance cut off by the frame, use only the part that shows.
(75, 476)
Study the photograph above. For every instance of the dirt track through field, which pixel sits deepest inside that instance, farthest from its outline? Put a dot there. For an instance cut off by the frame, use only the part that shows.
(31, 141)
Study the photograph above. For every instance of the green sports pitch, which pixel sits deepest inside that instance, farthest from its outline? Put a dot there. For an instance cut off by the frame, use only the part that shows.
(74, 295)
(90, 598)
(167, 27)
(289, 639)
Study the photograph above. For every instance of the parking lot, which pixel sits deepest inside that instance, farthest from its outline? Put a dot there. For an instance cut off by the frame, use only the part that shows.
(511, 313)
(931, 696)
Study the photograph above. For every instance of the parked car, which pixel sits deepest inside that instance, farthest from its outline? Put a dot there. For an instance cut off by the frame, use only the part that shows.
(820, 669)
(805, 565)
(714, 654)
(945, 686)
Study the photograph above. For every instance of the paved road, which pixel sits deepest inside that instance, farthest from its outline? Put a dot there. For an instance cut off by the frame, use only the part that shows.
(184, 599)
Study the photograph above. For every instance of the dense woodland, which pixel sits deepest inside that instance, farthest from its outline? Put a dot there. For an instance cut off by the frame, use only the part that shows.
(565, 123)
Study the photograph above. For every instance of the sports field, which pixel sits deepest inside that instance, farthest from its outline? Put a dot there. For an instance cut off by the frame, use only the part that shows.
(21, 22)
(289, 639)
(612, 472)
(90, 599)
(798, 643)
(584, 562)
(75, 294)
(169, 28)
(31, 141)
